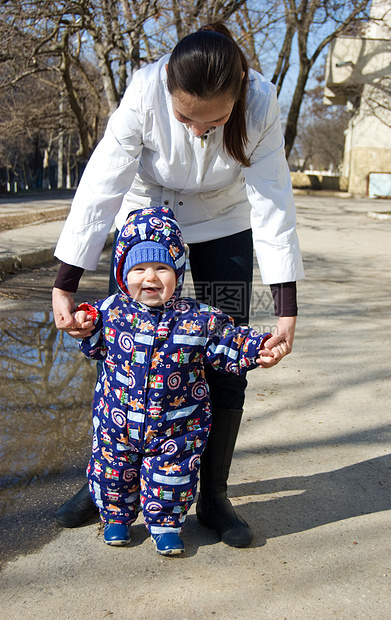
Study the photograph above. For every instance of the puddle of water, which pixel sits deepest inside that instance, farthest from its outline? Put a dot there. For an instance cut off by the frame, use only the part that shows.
(45, 407)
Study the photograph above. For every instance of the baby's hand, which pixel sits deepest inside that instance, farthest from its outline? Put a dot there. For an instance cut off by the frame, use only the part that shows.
(266, 361)
(265, 358)
(82, 319)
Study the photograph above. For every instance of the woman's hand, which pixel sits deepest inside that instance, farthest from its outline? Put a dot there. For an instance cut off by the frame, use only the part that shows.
(64, 318)
(281, 343)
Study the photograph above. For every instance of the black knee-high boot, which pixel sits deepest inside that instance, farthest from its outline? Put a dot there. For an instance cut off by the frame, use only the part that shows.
(76, 510)
(214, 510)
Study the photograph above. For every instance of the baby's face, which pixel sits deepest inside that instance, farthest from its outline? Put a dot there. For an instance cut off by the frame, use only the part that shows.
(153, 284)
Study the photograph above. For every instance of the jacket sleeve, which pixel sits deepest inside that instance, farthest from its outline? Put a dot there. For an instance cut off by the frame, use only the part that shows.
(269, 190)
(93, 346)
(232, 349)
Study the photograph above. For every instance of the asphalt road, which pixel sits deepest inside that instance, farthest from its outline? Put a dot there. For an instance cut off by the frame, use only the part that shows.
(311, 471)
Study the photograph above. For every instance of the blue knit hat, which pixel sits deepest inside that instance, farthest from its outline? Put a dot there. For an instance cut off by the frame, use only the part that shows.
(147, 252)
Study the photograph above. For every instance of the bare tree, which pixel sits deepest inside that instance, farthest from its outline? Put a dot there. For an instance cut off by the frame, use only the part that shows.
(313, 17)
(67, 37)
(320, 138)
(94, 45)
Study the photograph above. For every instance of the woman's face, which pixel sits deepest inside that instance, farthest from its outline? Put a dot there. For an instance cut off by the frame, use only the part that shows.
(200, 114)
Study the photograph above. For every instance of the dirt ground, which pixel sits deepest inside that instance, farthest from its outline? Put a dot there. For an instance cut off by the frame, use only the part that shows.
(311, 471)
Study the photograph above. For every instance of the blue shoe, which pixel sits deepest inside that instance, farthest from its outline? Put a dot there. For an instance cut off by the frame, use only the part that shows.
(117, 534)
(168, 544)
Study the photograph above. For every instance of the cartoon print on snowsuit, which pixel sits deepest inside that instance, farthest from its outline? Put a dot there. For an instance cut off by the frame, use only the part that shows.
(151, 410)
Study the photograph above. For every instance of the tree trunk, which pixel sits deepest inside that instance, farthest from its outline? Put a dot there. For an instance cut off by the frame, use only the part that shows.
(283, 59)
(294, 110)
(60, 159)
(45, 171)
(68, 183)
(106, 75)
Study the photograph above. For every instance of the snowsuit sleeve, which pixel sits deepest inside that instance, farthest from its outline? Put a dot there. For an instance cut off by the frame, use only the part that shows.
(93, 346)
(232, 349)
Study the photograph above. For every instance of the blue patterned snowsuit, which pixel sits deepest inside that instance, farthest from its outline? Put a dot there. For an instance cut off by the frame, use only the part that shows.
(151, 411)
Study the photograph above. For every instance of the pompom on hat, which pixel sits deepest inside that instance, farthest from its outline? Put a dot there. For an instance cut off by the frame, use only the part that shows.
(147, 252)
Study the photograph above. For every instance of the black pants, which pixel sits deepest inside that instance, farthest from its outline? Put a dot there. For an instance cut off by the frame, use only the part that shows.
(222, 272)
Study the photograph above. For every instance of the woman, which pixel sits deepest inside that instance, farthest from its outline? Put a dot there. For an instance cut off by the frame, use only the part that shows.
(199, 132)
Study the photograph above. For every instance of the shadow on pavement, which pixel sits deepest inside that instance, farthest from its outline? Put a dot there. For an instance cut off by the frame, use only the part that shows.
(283, 506)
(299, 503)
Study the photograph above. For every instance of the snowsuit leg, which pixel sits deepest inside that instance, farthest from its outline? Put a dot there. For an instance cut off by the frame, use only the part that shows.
(114, 471)
(169, 485)
(115, 488)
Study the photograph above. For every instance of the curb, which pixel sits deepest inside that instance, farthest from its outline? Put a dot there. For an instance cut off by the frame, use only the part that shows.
(10, 221)
(378, 215)
(11, 264)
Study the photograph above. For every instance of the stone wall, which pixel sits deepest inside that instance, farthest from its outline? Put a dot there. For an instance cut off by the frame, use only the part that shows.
(363, 161)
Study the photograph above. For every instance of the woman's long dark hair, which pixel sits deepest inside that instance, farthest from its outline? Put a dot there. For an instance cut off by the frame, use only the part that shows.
(209, 64)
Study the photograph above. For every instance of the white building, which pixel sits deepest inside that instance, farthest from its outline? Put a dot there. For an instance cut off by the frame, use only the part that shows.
(358, 74)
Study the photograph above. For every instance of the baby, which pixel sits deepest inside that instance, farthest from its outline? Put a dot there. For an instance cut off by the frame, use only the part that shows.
(151, 410)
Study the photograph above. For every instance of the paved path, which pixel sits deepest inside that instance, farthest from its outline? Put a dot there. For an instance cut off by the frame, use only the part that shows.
(32, 244)
(311, 471)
